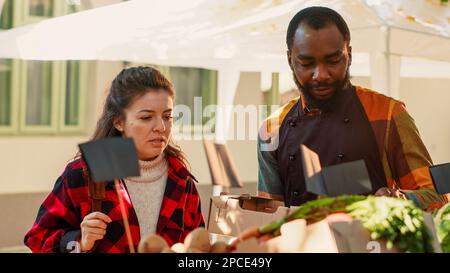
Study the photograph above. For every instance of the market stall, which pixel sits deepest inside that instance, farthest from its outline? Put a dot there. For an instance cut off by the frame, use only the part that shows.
(344, 224)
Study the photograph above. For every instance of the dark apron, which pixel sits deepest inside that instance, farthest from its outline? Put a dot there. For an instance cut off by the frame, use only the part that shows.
(341, 133)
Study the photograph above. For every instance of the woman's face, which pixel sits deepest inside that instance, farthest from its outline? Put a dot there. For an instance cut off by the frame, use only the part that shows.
(148, 120)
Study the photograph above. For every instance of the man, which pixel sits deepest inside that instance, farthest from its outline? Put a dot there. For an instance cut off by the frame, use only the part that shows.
(339, 121)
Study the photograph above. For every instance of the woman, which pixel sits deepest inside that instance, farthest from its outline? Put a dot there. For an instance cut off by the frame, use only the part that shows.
(163, 200)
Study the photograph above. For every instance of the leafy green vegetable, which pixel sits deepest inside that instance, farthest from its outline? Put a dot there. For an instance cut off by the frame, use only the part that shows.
(442, 222)
(313, 211)
(395, 220)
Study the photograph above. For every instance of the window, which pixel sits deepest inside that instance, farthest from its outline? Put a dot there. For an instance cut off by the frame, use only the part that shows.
(5, 93)
(53, 97)
(74, 6)
(8, 98)
(6, 16)
(40, 8)
(39, 97)
(32, 11)
(73, 99)
(194, 82)
(72, 94)
(38, 93)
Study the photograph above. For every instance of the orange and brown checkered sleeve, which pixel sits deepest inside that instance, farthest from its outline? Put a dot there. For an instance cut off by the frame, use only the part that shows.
(409, 160)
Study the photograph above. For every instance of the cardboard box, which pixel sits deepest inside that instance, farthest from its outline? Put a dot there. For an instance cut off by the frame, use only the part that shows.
(335, 237)
(229, 215)
(326, 237)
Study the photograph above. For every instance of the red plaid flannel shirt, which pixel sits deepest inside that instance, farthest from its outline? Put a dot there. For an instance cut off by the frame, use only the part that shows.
(57, 225)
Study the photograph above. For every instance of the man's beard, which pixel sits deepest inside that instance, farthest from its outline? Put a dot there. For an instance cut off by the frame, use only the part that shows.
(313, 102)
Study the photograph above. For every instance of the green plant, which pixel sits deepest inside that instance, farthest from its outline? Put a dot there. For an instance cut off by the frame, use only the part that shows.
(442, 221)
(313, 211)
(395, 220)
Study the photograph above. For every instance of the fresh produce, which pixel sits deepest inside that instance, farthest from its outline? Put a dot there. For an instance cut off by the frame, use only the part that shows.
(152, 244)
(167, 250)
(198, 239)
(178, 248)
(313, 211)
(442, 221)
(219, 247)
(395, 220)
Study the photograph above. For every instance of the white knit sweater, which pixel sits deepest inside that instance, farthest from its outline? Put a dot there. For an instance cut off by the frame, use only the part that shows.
(147, 192)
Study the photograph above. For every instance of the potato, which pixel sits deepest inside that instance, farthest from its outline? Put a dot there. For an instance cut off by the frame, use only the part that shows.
(194, 250)
(168, 250)
(198, 239)
(219, 247)
(179, 248)
(152, 244)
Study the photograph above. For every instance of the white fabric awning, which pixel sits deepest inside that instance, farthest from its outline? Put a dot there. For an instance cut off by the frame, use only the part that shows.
(234, 35)
(249, 35)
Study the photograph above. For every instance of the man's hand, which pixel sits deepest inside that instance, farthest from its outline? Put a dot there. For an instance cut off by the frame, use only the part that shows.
(390, 192)
(93, 228)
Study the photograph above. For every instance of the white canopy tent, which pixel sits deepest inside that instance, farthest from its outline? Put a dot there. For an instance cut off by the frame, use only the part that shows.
(235, 35)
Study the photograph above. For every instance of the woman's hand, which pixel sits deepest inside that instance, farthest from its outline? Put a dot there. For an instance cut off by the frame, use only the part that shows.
(93, 228)
(390, 192)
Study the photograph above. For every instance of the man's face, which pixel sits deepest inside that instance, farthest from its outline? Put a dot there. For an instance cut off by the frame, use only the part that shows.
(319, 60)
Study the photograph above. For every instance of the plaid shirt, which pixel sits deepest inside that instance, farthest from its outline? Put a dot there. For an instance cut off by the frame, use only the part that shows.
(57, 225)
(404, 157)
